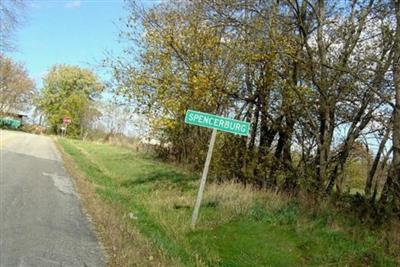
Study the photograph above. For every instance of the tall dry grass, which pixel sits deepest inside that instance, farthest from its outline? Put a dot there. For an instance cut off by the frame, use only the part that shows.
(229, 200)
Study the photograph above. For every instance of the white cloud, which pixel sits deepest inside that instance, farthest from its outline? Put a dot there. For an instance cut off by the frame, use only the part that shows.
(73, 4)
(34, 5)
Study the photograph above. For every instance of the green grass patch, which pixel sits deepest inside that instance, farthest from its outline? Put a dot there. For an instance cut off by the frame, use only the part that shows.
(237, 226)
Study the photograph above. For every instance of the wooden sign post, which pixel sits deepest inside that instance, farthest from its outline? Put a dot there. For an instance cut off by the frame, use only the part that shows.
(66, 122)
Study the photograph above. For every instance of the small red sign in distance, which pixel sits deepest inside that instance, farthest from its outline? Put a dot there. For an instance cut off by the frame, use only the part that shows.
(67, 120)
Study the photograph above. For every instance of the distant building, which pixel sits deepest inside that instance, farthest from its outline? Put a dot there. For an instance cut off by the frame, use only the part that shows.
(11, 118)
(154, 142)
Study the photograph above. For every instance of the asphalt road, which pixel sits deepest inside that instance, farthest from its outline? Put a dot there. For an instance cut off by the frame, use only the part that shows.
(41, 219)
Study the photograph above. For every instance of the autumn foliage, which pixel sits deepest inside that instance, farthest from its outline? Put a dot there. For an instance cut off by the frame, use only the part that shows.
(316, 79)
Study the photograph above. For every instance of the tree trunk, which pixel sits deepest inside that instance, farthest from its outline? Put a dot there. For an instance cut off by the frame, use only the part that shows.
(372, 171)
(396, 122)
(391, 192)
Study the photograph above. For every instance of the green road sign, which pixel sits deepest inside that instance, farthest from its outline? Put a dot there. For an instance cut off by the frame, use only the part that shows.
(217, 122)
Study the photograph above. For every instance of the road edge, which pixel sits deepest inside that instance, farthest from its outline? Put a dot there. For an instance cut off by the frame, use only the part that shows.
(74, 174)
(112, 229)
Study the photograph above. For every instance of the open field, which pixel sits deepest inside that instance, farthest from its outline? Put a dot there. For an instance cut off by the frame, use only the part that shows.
(237, 227)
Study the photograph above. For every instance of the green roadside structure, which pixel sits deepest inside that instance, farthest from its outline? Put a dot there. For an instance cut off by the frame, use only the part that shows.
(11, 119)
(12, 123)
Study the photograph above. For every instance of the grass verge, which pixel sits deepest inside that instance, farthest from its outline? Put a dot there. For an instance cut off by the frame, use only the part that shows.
(123, 243)
(152, 202)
